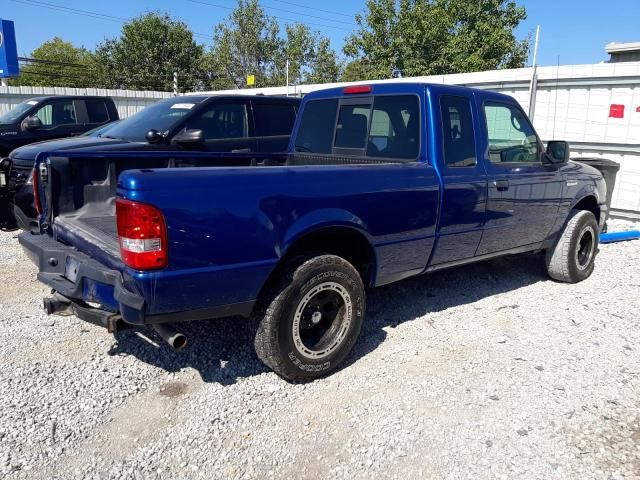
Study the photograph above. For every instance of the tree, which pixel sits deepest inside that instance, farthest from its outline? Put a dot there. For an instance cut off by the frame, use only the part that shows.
(429, 37)
(57, 63)
(150, 48)
(249, 42)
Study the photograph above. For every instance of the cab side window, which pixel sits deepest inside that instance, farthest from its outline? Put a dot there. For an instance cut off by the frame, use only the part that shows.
(57, 113)
(222, 121)
(272, 119)
(97, 111)
(511, 136)
(459, 144)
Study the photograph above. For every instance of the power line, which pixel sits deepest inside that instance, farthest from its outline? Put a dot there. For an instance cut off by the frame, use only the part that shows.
(88, 13)
(215, 5)
(332, 12)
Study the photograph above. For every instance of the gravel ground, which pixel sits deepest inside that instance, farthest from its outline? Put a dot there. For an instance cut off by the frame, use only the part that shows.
(488, 371)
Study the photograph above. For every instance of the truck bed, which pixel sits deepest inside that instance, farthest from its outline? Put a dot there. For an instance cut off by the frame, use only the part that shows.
(99, 231)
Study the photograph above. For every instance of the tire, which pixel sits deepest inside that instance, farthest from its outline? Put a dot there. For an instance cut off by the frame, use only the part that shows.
(313, 319)
(572, 259)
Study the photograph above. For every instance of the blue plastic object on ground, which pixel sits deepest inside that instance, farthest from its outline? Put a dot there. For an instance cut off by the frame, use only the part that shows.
(619, 236)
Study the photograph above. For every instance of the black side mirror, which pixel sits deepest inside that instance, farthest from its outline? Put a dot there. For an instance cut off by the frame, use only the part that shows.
(558, 151)
(189, 137)
(32, 123)
(153, 136)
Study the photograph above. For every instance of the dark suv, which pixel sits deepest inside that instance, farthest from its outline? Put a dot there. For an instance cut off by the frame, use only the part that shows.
(221, 123)
(49, 118)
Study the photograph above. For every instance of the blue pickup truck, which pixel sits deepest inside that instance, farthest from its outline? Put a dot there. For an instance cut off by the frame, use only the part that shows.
(380, 183)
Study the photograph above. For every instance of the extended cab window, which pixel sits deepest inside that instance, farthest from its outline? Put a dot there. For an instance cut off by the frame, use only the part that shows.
(221, 121)
(97, 111)
(395, 127)
(57, 113)
(315, 133)
(273, 119)
(511, 136)
(459, 145)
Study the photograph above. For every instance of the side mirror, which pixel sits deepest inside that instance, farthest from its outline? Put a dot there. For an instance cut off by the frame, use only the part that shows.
(32, 123)
(153, 136)
(558, 151)
(189, 137)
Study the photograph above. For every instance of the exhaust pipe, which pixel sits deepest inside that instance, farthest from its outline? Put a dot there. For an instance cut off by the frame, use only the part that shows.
(176, 339)
(57, 305)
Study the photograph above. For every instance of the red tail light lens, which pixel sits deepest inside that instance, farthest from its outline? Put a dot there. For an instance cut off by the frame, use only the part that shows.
(142, 233)
(36, 191)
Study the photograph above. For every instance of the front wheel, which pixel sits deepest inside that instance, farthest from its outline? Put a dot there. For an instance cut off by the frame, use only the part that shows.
(572, 258)
(313, 320)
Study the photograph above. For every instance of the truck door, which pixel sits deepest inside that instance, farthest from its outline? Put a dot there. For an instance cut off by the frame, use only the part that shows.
(59, 120)
(225, 127)
(465, 182)
(524, 193)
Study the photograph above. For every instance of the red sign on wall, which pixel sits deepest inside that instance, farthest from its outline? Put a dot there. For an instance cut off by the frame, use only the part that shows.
(638, 109)
(616, 111)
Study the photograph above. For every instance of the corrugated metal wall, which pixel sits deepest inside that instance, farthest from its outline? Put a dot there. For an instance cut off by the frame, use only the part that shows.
(128, 102)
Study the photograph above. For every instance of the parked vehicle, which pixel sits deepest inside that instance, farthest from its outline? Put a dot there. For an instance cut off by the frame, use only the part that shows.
(45, 118)
(381, 183)
(231, 123)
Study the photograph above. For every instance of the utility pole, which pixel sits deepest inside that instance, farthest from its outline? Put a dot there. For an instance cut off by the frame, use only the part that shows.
(533, 86)
(287, 75)
(175, 83)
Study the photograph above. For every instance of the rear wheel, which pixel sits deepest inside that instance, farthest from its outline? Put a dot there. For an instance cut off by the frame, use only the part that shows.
(572, 259)
(312, 320)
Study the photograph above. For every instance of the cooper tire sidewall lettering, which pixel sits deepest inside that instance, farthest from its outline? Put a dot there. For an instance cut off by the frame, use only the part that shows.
(324, 363)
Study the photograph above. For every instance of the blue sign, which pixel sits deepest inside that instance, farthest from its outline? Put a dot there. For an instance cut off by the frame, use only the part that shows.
(8, 50)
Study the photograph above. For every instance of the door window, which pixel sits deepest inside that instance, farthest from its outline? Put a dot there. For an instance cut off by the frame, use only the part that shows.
(459, 145)
(97, 111)
(221, 121)
(273, 119)
(395, 127)
(57, 113)
(511, 136)
(315, 133)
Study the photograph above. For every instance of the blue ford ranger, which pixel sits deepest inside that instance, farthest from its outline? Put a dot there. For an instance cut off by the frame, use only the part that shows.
(380, 183)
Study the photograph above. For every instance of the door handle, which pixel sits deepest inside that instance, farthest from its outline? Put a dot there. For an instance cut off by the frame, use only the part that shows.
(501, 185)
(241, 150)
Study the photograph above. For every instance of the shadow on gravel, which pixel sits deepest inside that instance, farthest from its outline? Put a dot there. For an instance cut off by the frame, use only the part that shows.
(222, 350)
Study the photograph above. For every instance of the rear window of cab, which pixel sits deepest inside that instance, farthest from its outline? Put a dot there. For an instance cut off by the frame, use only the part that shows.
(384, 126)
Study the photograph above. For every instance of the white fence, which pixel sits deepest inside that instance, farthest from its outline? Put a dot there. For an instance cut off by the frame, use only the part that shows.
(128, 102)
(572, 103)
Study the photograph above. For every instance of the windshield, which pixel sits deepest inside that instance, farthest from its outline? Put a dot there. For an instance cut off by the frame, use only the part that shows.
(160, 116)
(13, 115)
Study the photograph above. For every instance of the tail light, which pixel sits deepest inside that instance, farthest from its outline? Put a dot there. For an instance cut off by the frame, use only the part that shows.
(36, 191)
(357, 89)
(142, 233)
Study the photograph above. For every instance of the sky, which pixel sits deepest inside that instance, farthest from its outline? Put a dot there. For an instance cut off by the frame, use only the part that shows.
(575, 30)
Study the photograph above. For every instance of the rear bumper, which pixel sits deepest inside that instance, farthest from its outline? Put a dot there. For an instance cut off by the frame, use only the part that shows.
(93, 281)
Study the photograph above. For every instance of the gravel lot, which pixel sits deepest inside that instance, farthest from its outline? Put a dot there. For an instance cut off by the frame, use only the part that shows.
(489, 371)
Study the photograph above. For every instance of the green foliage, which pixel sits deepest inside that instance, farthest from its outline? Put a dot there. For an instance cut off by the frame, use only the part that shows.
(430, 37)
(249, 42)
(69, 67)
(151, 47)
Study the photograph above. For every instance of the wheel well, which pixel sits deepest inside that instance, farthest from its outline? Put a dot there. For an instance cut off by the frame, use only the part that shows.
(590, 204)
(344, 242)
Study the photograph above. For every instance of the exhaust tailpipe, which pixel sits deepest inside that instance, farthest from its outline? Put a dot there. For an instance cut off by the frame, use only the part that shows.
(175, 339)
